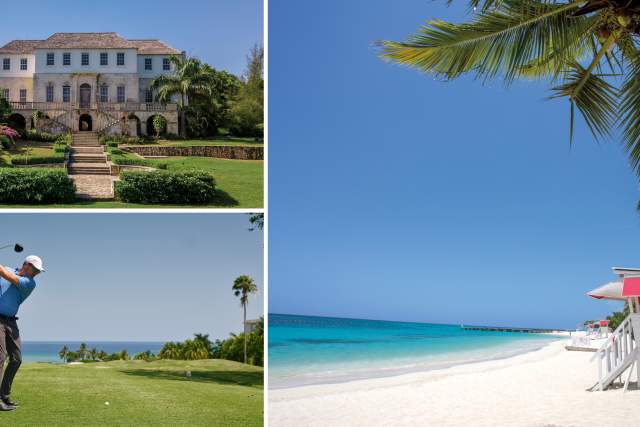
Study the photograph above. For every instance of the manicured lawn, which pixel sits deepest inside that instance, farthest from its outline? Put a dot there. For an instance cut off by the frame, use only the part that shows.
(33, 148)
(139, 393)
(239, 183)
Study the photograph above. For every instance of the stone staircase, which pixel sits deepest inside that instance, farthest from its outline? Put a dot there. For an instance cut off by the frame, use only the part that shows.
(87, 156)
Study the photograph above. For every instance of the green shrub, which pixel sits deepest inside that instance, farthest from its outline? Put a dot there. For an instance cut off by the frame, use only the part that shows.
(37, 185)
(112, 150)
(119, 159)
(171, 187)
(121, 139)
(112, 144)
(64, 138)
(35, 135)
(5, 142)
(60, 148)
(23, 159)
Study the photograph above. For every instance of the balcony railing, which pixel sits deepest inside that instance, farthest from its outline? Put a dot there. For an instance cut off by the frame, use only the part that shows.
(100, 106)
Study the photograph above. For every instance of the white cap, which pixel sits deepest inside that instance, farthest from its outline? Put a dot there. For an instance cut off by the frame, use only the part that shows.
(35, 261)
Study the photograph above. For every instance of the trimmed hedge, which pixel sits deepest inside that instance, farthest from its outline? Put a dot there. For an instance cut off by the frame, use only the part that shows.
(123, 139)
(60, 147)
(121, 160)
(33, 186)
(22, 159)
(166, 187)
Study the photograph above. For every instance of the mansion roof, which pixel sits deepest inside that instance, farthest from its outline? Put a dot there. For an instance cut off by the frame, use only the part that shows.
(89, 41)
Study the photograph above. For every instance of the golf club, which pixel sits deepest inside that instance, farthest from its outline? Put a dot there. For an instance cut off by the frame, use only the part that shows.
(17, 247)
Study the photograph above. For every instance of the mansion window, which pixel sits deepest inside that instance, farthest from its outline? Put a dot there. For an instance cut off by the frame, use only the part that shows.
(104, 58)
(148, 96)
(120, 58)
(148, 65)
(6, 63)
(6, 94)
(84, 59)
(66, 93)
(23, 64)
(23, 95)
(66, 58)
(51, 59)
(49, 92)
(121, 97)
(104, 93)
(166, 64)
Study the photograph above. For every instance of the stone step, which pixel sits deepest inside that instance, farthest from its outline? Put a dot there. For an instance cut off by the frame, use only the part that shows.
(89, 171)
(89, 159)
(86, 144)
(93, 186)
(87, 150)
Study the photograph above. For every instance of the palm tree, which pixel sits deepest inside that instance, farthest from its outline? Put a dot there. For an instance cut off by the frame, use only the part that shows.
(190, 77)
(587, 50)
(244, 286)
(205, 341)
(82, 351)
(63, 353)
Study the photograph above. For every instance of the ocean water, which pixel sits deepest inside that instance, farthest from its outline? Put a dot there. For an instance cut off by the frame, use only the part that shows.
(41, 351)
(307, 350)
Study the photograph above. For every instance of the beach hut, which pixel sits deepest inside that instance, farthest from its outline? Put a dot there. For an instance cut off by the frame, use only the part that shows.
(621, 350)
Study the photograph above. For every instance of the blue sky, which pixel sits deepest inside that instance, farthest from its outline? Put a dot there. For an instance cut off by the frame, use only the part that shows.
(135, 277)
(396, 196)
(219, 32)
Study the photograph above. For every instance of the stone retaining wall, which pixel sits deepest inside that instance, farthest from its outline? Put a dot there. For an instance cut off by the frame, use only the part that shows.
(218, 151)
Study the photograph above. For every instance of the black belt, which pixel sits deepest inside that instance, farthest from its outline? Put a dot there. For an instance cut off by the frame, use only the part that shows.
(3, 317)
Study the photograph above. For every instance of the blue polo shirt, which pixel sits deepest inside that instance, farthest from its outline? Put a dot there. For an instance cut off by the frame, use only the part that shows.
(11, 296)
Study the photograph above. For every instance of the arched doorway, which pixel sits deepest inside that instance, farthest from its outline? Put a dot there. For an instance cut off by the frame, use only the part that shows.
(151, 130)
(85, 95)
(137, 128)
(17, 121)
(86, 123)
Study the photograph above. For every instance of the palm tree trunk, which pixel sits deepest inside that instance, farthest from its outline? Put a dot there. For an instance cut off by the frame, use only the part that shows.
(244, 327)
(183, 119)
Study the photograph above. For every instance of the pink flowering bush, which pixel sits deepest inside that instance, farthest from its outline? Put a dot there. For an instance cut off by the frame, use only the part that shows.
(7, 132)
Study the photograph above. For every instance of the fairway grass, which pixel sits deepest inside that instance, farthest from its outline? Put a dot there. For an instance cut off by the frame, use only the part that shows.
(218, 393)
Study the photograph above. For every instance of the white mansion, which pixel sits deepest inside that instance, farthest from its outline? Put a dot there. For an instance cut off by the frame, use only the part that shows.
(86, 82)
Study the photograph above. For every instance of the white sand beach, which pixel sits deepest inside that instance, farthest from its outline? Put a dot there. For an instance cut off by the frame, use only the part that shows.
(547, 387)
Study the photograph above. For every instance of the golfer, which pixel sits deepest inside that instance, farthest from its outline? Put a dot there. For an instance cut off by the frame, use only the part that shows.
(15, 286)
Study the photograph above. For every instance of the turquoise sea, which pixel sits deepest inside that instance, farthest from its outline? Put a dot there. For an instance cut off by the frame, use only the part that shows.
(47, 351)
(307, 350)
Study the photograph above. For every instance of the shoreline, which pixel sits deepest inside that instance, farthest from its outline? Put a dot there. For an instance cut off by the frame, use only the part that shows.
(383, 373)
(546, 386)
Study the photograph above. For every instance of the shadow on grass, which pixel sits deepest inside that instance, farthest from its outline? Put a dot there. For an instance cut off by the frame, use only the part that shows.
(251, 379)
(223, 198)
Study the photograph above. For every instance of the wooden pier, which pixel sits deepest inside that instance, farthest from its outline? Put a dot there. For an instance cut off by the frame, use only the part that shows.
(517, 330)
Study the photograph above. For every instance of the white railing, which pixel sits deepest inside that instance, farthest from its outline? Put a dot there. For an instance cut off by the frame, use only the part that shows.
(101, 106)
(616, 354)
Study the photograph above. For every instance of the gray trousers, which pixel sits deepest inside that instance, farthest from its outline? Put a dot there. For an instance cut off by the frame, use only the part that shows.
(10, 345)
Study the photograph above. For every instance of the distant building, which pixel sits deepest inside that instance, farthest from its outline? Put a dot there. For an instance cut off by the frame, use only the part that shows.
(86, 82)
(251, 325)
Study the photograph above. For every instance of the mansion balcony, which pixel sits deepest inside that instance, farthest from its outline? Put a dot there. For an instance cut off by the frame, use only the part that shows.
(97, 106)
(125, 118)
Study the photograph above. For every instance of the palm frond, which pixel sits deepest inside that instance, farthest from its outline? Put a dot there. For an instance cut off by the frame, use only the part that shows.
(501, 41)
(630, 108)
(595, 98)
